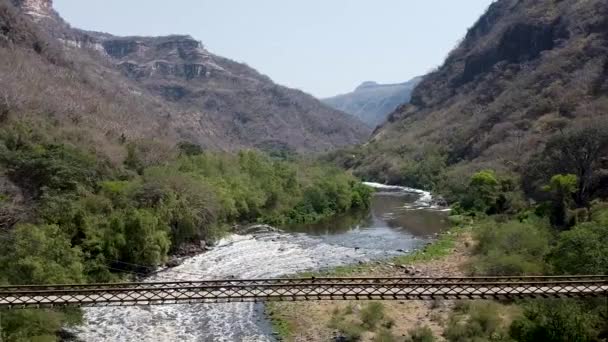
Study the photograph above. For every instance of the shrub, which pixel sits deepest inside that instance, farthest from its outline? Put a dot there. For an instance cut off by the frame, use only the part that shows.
(350, 328)
(556, 321)
(420, 334)
(372, 315)
(511, 248)
(384, 335)
(480, 321)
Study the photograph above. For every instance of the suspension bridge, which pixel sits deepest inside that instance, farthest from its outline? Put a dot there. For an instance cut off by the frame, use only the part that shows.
(300, 289)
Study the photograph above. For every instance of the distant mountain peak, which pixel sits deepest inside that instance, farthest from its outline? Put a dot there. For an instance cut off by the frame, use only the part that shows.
(367, 84)
(372, 102)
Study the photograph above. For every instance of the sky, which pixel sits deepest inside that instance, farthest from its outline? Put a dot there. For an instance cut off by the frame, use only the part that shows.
(324, 47)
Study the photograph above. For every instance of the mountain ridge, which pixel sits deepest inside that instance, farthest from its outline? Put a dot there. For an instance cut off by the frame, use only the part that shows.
(203, 98)
(373, 102)
(525, 71)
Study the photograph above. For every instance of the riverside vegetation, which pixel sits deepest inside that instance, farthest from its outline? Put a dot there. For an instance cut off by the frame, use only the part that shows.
(538, 223)
(72, 216)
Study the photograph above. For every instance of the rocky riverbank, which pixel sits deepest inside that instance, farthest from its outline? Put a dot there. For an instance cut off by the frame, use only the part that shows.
(447, 257)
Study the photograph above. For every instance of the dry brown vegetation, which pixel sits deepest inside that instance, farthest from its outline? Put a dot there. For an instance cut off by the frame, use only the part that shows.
(175, 91)
(524, 72)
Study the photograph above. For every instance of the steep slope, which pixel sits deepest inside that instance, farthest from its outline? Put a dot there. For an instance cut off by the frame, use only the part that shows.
(526, 70)
(45, 81)
(225, 103)
(372, 102)
(197, 96)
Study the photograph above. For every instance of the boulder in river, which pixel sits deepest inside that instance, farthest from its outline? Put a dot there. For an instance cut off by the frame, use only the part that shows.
(257, 228)
(174, 262)
(439, 201)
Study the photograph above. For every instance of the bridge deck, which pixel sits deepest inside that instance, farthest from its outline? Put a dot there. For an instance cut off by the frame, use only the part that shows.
(129, 294)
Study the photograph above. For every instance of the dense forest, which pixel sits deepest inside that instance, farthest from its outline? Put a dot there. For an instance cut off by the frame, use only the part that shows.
(69, 215)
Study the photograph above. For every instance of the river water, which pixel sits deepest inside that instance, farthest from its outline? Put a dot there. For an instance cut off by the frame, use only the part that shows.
(399, 221)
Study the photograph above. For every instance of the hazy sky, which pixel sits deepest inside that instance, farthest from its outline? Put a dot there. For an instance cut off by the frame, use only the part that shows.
(324, 47)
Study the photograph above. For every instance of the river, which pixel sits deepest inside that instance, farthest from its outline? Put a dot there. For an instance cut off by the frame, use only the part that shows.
(399, 221)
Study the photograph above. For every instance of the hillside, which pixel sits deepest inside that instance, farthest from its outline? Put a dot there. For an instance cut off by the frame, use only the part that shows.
(526, 71)
(372, 102)
(175, 90)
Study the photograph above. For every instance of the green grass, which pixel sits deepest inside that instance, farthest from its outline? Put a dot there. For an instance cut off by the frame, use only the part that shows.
(439, 248)
(280, 326)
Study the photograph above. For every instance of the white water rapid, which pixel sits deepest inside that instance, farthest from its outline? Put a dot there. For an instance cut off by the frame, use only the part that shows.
(262, 255)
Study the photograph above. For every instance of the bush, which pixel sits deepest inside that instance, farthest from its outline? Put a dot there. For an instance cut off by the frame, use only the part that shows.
(479, 321)
(556, 321)
(372, 315)
(349, 327)
(353, 324)
(384, 335)
(420, 334)
(511, 248)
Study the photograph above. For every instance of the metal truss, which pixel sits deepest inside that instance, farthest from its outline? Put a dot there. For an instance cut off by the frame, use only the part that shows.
(298, 289)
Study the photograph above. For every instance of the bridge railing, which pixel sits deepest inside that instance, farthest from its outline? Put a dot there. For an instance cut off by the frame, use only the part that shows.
(285, 289)
(309, 280)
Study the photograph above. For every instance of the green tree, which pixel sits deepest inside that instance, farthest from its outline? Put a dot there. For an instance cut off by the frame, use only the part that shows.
(562, 189)
(482, 192)
(147, 240)
(41, 255)
(53, 168)
(578, 151)
(584, 249)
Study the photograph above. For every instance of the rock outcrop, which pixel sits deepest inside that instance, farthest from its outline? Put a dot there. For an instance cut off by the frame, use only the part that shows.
(36, 8)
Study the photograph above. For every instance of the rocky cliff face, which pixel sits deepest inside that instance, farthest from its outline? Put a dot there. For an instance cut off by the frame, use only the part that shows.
(372, 102)
(225, 104)
(525, 70)
(37, 9)
(199, 96)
